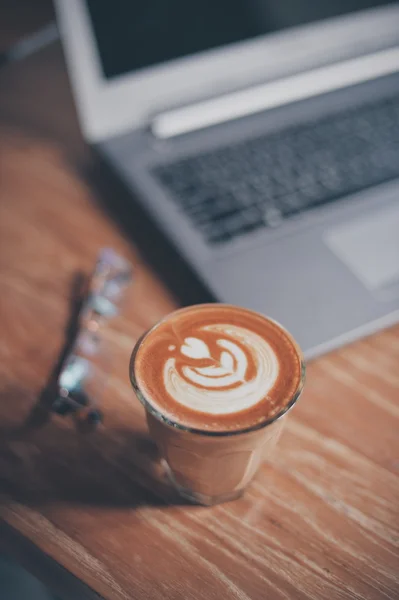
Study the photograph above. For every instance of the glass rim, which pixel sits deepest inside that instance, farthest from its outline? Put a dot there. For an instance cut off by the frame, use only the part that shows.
(206, 432)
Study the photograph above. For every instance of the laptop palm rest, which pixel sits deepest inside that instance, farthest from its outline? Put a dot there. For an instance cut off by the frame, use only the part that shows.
(369, 247)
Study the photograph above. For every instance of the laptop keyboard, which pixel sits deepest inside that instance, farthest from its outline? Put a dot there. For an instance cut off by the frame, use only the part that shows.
(261, 182)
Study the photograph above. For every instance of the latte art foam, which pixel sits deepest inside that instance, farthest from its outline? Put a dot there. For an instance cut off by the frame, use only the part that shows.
(219, 384)
(217, 367)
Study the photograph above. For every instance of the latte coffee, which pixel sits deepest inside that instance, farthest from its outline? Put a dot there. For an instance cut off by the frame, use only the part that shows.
(215, 380)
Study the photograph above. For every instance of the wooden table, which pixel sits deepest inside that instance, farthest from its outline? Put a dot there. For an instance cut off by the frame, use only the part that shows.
(320, 522)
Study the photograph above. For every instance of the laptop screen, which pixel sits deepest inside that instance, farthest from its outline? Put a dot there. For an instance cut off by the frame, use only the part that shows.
(133, 35)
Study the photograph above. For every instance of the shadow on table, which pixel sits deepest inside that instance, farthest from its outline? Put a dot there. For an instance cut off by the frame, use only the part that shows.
(42, 463)
(45, 457)
(119, 204)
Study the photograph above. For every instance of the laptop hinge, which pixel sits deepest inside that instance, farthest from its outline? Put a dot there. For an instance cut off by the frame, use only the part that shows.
(264, 96)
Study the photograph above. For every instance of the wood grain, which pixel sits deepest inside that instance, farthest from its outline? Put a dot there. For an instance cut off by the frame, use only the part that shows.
(321, 521)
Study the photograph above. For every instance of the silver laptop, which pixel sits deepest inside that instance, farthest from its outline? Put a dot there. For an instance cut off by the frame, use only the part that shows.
(263, 138)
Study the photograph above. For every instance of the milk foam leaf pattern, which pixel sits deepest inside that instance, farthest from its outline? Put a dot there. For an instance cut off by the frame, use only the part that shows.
(223, 369)
(222, 386)
(195, 348)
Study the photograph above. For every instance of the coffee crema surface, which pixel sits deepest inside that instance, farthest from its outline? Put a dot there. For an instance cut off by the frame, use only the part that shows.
(218, 367)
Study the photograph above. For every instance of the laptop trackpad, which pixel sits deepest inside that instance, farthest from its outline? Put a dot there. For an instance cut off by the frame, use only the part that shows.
(369, 246)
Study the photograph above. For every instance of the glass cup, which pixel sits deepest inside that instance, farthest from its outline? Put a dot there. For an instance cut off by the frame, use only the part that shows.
(209, 467)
